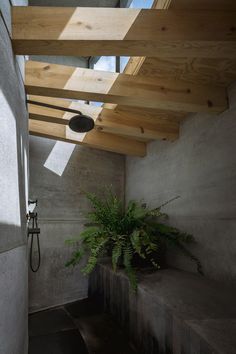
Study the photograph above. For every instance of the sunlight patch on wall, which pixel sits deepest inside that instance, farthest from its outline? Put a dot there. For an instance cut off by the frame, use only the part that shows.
(9, 180)
(59, 157)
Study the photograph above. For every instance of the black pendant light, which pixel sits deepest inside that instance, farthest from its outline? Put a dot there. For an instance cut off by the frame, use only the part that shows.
(79, 123)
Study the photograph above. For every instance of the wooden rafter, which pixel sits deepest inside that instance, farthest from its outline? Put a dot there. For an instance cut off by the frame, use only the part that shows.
(85, 84)
(219, 5)
(94, 139)
(108, 31)
(128, 124)
(215, 71)
(211, 68)
(201, 71)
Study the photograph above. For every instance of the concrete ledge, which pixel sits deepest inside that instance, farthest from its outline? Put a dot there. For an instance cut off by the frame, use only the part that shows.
(173, 311)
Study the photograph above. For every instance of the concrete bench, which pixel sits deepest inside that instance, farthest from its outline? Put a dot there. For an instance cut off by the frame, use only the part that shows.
(172, 312)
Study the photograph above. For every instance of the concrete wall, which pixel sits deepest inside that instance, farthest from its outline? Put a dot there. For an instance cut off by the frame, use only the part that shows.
(200, 167)
(13, 191)
(59, 175)
(80, 62)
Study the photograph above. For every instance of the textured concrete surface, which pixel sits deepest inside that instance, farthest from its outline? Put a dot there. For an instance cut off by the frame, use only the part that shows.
(13, 191)
(215, 332)
(73, 328)
(173, 312)
(62, 60)
(200, 167)
(64, 342)
(14, 301)
(5, 8)
(54, 331)
(13, 148)
(100, 331)
(55, 284)
(59, 184)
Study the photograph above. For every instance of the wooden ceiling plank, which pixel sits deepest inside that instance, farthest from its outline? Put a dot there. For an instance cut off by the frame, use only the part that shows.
(109, 31)
(220, 71)
(219, 5)
(106, 120)
(94, 139)
(141, 65)
(150, 115)
(202, 71)
(62, 81)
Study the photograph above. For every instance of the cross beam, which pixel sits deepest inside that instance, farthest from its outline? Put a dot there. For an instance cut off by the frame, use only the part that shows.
(131, 32)
(62, 81)
(106, 120)
(94, 139)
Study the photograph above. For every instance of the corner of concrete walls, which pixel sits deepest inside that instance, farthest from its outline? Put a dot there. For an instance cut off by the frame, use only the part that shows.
(199, 167)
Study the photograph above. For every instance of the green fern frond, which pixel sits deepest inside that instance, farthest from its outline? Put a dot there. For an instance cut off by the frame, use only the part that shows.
(91, 264)
(75, 259)
(136, 241)
(72, 241)
(127, 233)
(116, 254)
(128, 255)
(97, 249)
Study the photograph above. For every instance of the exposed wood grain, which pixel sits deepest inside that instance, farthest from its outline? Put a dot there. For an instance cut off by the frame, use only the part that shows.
(108, 31)
(151, 115)
(94, 139)
(220, 72)
(54, 80)
(199, 4)
(127, 123)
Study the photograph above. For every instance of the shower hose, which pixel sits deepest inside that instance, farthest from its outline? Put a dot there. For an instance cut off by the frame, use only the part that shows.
(33, 232)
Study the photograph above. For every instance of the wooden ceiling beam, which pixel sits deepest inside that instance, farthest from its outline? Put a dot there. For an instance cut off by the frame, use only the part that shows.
(192, 5)
(107, 120)
(213, 71)
(131, 32)
(62, 81)
(94, 139)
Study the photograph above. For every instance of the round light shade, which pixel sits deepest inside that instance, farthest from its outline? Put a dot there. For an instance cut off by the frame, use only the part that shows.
(81, 123)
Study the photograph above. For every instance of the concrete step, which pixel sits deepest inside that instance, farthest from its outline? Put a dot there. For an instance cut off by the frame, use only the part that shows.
(81, 327)
(99, 330)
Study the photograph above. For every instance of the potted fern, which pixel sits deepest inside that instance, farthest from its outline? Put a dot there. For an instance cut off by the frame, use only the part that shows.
(128, 235)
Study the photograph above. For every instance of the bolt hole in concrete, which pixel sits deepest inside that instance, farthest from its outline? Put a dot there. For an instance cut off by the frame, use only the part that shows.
(77, 328)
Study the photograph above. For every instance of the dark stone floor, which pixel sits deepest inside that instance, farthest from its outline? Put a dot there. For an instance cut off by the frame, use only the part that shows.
(77, 328)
